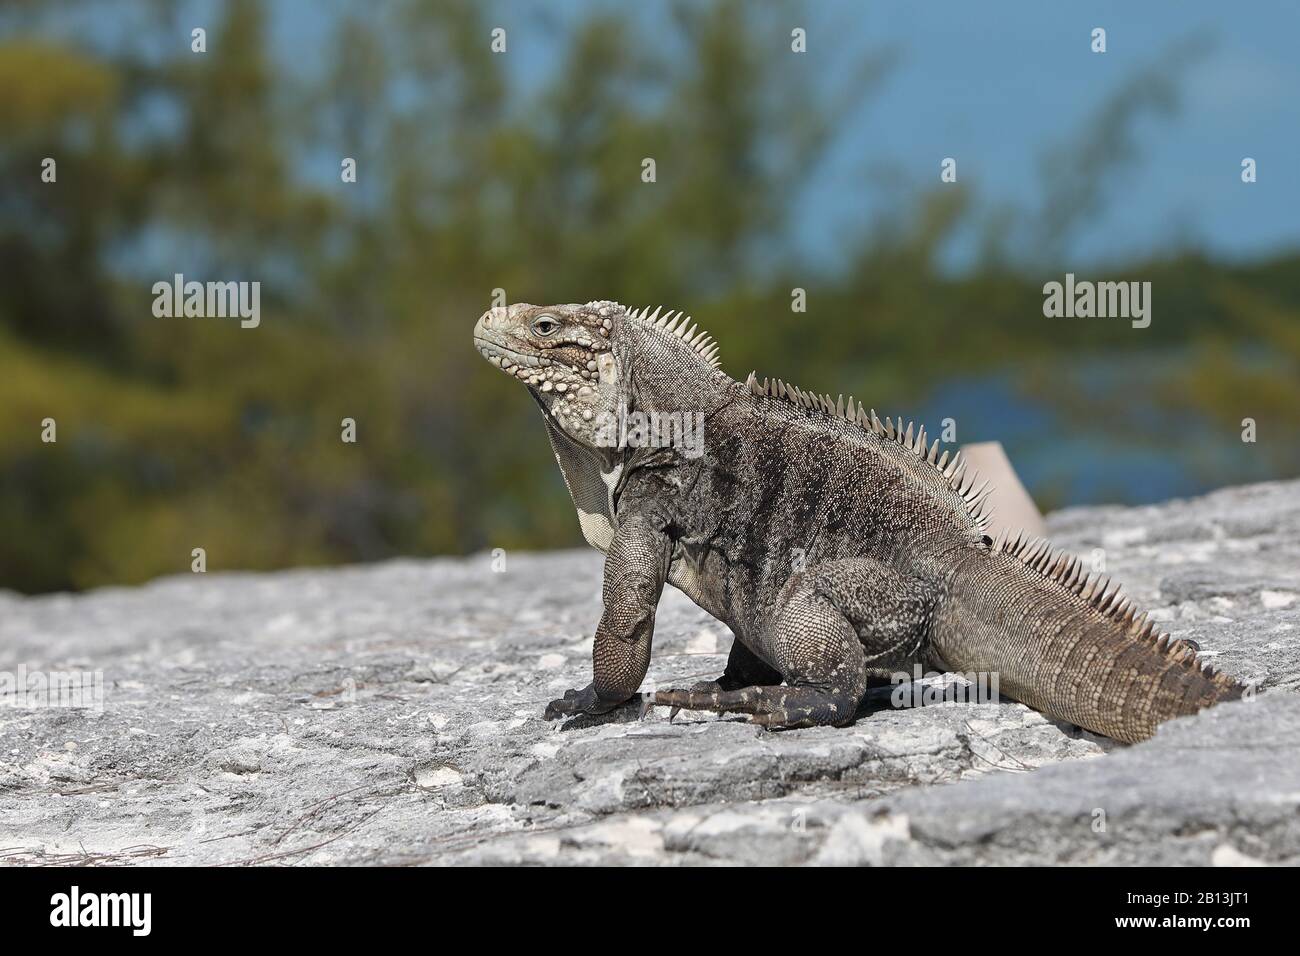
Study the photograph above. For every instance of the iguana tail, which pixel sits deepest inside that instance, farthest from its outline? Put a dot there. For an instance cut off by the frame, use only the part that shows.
(1066, 643)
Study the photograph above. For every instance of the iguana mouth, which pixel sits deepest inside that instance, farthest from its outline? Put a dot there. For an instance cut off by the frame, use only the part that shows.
(495, 350)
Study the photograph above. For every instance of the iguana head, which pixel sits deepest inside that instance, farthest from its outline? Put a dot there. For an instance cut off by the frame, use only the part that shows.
(591, 367)
(564, 354)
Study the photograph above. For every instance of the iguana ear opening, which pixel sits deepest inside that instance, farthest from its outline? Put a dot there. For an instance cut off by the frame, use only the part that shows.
(607, 367)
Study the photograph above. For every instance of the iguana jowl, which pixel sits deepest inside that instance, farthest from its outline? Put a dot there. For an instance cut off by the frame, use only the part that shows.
(836, 547)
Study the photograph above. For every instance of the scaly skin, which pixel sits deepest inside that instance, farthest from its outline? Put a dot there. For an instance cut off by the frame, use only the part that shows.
(836, 547)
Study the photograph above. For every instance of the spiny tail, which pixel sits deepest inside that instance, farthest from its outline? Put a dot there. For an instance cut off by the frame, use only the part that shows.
(1066, 643)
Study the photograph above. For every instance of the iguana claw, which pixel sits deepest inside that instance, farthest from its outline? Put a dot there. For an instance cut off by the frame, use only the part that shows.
(571, 703)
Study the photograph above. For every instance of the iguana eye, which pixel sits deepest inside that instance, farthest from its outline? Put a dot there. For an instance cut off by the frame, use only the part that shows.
(545, 324)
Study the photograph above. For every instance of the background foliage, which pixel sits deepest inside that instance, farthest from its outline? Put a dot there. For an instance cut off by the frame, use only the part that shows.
(178, 433)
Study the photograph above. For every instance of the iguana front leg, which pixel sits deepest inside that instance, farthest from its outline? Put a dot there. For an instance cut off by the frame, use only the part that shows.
(636, 567)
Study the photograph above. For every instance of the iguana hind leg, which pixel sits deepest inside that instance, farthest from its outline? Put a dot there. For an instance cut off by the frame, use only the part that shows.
(844, 620)
(816, 650)
(891, 611)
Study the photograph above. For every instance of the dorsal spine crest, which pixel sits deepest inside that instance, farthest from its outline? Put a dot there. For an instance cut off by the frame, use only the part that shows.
(907, 436)
(1098, 590)
(679, 324)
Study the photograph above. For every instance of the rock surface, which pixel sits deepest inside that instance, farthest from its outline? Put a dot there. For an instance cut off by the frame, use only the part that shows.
(392, 714)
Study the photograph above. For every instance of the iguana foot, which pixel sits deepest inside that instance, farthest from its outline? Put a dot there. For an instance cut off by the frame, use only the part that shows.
(582, 701)
(777, 708)
(744, 669)
(703, 687)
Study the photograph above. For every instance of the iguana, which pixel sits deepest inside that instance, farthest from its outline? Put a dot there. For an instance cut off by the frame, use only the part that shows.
(838, 547)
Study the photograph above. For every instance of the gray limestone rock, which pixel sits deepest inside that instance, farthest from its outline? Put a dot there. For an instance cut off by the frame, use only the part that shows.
(392, 714)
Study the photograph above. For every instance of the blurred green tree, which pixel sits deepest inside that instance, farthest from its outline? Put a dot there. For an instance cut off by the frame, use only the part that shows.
(175, 434)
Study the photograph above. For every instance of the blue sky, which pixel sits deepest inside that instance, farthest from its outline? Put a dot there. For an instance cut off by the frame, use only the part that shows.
(995, 90)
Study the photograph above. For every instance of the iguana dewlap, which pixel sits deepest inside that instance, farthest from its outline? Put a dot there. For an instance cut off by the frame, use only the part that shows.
(837, 547)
